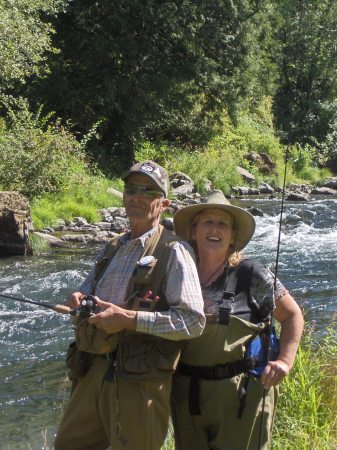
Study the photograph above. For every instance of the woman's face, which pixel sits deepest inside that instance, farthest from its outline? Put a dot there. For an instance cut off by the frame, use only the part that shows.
(213, 231)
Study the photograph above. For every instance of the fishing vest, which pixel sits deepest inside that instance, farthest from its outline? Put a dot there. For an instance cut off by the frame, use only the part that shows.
(137, 356)
(221, 351)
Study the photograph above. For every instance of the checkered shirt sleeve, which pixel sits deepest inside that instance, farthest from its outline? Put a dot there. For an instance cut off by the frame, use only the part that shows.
(185, 318)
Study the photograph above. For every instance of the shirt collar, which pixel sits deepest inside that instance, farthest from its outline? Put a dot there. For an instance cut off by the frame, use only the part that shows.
(125, 239)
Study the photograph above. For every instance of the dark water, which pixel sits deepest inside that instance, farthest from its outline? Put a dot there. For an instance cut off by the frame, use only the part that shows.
(33, 340)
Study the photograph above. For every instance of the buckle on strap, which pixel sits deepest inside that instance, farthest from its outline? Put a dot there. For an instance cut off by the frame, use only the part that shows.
(225, 307)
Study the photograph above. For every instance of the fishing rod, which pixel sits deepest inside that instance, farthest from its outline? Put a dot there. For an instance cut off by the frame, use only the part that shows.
(274, 289)
(88, 305)
(62, 309)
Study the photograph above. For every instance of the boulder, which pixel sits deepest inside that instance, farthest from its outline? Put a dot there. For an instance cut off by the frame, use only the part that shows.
(262, 162)
(331, 183)
(115, 192)
(255, 211)
(15, 224)
(53, 241)
(297, 197)
(181, 184)
(324, 191)
(247, 176)
(265, 188)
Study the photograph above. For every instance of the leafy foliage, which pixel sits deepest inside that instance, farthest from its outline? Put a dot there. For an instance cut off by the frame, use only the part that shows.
(25, 38)
(307, 69)
(37, 156)
(84, 197)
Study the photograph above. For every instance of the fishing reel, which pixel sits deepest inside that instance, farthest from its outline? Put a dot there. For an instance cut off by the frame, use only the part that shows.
(88, 307)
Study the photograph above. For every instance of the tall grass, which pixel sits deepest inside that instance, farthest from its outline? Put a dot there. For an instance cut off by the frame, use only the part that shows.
(84, 197)
(306, 416)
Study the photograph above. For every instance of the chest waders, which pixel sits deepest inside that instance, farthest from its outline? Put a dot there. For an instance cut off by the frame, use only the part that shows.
(225, 349)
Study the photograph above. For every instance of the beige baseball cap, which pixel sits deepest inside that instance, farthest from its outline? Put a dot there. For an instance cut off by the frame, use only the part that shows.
(152, 170)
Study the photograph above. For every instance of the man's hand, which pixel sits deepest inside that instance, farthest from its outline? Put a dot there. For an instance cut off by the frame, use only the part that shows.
(113, 318)
(74, 300)
(274, 373)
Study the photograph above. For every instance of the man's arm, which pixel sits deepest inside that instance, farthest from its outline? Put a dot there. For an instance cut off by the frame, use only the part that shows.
(184, 318)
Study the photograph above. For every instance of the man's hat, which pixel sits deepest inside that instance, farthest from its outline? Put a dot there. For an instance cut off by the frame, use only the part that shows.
(152, 170)
(244, 222)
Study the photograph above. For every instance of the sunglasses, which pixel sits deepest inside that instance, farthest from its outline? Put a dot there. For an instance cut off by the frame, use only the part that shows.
(144, 191)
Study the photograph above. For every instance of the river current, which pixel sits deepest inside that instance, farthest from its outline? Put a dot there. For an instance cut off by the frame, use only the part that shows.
(33, 340)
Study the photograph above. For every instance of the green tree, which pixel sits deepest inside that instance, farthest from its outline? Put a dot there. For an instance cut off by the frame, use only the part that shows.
(160, 70)
(25, 38)
(307, 70)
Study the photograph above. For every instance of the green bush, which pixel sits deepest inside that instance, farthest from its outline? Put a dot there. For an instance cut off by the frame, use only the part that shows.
(36, 156)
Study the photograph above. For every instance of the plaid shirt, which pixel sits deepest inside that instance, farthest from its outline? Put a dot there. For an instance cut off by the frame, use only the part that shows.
(185, 317)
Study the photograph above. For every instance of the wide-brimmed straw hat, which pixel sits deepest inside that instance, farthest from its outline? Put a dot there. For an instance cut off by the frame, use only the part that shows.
(244, 222)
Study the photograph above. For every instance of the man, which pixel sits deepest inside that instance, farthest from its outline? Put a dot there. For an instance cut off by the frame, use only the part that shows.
(151, 299)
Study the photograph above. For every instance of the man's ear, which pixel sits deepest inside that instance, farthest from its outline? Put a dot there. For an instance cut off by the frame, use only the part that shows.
(165, 204)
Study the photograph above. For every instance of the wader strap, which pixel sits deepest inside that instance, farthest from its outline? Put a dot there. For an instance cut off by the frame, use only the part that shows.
(100, 266)
(194, 396)
(110, 374)
(228, 298)
(243, 394)
(219, 372)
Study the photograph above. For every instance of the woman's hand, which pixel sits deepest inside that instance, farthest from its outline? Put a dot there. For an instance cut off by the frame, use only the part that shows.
(274, 372)
(288, 313)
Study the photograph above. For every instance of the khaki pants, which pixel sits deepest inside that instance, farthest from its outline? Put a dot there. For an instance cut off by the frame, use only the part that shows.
(218, 427)
(124, 415)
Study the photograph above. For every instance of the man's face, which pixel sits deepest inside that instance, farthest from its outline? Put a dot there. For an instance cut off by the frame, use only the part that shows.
(143, 206)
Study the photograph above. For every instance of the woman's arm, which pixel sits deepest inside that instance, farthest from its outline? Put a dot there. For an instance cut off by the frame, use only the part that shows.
(288, 313)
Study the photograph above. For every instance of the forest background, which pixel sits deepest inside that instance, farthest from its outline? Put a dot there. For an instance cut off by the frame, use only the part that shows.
(87, 87)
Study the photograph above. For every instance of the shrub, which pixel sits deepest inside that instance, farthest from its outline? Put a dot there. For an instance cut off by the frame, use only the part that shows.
(37, 156)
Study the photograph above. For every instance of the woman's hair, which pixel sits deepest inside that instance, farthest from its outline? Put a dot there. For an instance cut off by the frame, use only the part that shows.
(234, 257)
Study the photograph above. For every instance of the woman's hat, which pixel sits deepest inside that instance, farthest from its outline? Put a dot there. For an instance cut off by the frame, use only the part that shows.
(244, 222)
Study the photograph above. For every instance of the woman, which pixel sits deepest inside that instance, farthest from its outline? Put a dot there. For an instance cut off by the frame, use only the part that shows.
(219, 399)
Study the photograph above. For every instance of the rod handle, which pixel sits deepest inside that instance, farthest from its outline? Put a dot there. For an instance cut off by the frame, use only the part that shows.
(62, 309)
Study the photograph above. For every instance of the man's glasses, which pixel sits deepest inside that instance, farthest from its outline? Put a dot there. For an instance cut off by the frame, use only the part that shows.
(144, 191)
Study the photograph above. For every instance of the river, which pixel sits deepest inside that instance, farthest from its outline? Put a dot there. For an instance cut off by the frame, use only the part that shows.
(33, 340)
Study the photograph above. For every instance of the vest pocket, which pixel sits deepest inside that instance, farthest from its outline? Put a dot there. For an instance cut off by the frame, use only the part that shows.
(78, 362)
(143, 357)
(143, 274)
(94, 340)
